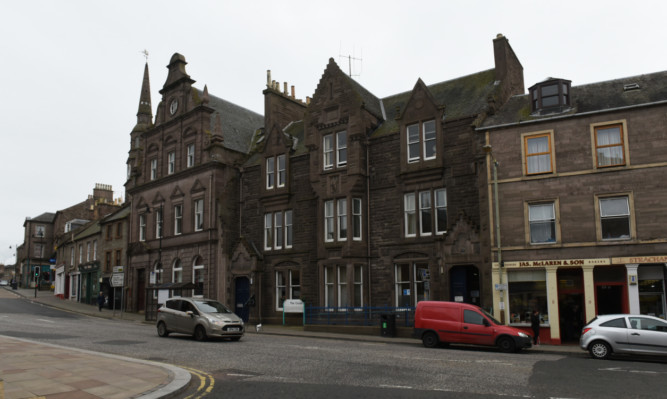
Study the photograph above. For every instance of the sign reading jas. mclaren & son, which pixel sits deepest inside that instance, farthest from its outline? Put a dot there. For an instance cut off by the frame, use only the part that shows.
(559, 262)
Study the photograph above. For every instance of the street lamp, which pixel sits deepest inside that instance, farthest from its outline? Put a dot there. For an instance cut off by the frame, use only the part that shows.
(489, 151)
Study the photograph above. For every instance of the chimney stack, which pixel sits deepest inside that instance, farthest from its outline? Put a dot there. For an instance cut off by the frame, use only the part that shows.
(268, 78)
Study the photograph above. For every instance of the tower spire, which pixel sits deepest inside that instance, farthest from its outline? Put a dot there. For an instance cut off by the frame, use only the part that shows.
(145, 113)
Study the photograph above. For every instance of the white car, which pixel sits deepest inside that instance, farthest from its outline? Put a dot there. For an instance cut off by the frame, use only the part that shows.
(624, 333)
(201, 318)
(4, 282)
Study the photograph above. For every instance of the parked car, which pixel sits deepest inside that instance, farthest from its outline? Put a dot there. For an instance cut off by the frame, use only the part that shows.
(4, 282)
(442, 323)
(624, 333)
(201, 318)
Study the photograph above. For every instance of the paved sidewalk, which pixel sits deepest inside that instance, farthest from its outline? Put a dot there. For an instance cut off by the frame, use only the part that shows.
(38, 370)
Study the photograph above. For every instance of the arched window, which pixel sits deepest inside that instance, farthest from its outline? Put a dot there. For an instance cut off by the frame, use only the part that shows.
(177, 272)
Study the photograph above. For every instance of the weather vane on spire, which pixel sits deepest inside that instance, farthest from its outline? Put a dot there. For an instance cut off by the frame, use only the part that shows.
(145, 53)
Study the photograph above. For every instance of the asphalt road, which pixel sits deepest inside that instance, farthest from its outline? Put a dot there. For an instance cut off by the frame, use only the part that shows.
(262, 365)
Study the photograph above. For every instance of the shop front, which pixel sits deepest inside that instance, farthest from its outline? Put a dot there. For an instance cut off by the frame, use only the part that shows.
(569, 292)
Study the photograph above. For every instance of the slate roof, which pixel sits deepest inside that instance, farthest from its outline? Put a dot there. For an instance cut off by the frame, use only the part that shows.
(462, 97)
(238, 124)
(46, 217)
(594, 97)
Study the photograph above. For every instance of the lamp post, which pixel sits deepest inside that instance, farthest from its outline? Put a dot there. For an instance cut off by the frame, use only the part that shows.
(489, 151)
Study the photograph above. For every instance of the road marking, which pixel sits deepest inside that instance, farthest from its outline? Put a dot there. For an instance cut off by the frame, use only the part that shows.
(395, 386)
(632, 371)
(240, 375)
(206, 383)
(45, 320)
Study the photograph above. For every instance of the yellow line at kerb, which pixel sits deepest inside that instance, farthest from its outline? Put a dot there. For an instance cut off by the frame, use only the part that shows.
(206, 383)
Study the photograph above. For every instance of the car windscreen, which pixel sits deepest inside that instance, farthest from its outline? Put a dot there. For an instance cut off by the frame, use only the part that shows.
(212, 307)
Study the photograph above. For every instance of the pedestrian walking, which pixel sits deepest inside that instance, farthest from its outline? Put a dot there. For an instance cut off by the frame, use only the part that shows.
(100, 300)
(535, 325)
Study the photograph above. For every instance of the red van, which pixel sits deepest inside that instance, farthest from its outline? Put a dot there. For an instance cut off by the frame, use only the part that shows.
(441, 323)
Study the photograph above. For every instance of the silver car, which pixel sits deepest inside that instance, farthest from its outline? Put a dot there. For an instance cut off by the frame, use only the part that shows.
(624, 333)
(201, 318)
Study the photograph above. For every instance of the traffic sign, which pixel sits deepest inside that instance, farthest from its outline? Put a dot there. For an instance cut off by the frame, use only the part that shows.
(117, 279)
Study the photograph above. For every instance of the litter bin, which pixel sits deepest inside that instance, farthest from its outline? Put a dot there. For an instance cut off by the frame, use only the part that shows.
(388, 325)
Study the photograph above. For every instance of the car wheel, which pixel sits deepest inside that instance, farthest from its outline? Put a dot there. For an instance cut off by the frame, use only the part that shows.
(200, 333)
(506, 344)
(599, 350)
(162, 330)
(430, 339)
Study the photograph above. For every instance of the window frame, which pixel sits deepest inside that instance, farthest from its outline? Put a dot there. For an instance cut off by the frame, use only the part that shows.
(357, 220)
(198, 214)
(281, 170)
(632, 233)
(438, 207)
(178, 219)
(142, 227)
(153, 170)
(290, 287)
(623, 143)
(418, 138)
(171, 162)
(334, 151)
(554, 222)
(190, 155)
(159, 223)
(177, 267)
(526, 155)
(270, 173)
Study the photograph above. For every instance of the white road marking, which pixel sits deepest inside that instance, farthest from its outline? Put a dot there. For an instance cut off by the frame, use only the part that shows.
(395, 386)
(45, 320)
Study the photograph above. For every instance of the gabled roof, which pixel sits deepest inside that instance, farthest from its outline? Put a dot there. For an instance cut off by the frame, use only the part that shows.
(462, 97)
(46, 217)
(371, 103)
(238, 123)
(632, 91)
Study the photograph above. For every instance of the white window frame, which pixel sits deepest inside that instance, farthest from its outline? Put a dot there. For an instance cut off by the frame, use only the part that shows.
(142, 227)
(178, 219)
(278, 236)
(606, 215)
(341, 206)
(343, 293)
(159, 223)
(153, 168)
(440, 206)
(177, 267)
(190, 155)
(329, 286)
(357, 220)
(410, 216)
(88, 251)
(281, 171)
(268, 231)
(425, 210)
(95, 250)
(80, 253)
(270, 173)
(341, 149)
(288, 229)
(327, 152)
(358, 281)
(429, 136)
(534, 220)
(195, 269)
(281, 286)
(412, 139)
(171, 162)
(329, 227)
(199, 214)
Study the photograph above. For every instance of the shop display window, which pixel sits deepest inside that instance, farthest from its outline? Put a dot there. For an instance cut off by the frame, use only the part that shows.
(527, 292)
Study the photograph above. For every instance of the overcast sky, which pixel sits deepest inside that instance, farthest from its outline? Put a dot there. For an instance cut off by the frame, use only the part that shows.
(72, 72)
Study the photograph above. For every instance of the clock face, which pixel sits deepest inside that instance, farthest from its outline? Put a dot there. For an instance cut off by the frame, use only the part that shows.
(173, 107)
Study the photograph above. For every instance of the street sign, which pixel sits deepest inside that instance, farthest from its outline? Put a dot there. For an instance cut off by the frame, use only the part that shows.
(117, 279)
(501, 287)
(118, 269)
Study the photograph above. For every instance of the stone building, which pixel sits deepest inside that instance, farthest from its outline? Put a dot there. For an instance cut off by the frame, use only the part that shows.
(351, 200)
(183, 187)
(580, 180)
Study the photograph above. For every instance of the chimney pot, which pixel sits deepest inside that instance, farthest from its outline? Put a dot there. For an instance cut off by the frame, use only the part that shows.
(285, 88)
(268, 78)
(293, 91)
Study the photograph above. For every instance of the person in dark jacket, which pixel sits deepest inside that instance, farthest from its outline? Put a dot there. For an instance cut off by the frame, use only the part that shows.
(535, 325)
(100, 300)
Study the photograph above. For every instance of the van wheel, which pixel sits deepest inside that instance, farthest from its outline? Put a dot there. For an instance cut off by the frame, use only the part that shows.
(200, 333)
(506, 344)
(430, 340)
(162, 330)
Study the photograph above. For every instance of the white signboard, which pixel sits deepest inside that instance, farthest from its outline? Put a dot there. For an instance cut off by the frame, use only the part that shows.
(117, 279)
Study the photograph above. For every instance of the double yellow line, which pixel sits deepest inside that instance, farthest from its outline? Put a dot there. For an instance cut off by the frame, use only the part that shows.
(206, 383)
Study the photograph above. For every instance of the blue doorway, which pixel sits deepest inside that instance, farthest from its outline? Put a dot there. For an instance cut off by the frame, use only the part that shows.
(241, 307)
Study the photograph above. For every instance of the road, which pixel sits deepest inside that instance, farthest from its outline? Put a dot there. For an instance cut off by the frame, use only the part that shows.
(262, 365)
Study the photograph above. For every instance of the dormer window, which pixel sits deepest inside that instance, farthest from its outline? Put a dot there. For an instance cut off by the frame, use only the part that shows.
(552, 95)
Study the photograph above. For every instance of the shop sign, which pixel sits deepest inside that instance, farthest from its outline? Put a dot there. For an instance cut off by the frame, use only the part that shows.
(559, 262)
(641, 259)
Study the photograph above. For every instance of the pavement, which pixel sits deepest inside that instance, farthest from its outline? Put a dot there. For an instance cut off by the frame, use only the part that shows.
(30, 369)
